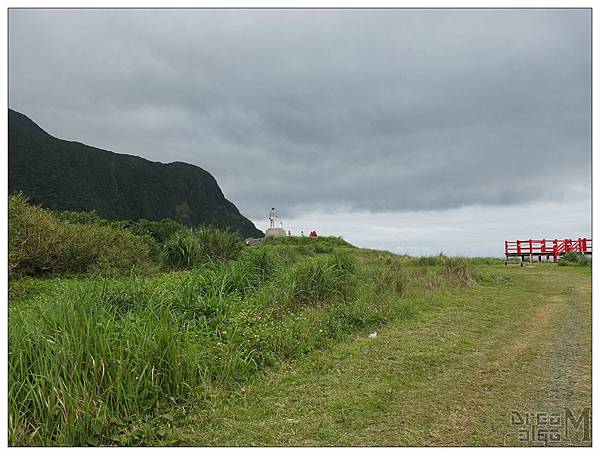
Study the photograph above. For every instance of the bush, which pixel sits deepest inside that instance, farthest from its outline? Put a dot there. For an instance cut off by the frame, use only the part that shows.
(575, 260)
(191, 248)
(160, 230)
(85, 217)
(41, 244)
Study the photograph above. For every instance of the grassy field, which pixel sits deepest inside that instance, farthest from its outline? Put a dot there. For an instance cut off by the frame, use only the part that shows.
(450, 375)
(272, 348)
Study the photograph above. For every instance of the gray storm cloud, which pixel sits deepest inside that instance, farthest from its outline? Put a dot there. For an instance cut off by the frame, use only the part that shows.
(366, 110)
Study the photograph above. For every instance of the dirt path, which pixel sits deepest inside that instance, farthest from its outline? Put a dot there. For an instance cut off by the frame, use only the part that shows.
(454, 376)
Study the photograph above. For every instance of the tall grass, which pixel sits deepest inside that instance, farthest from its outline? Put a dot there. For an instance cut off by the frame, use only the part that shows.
(459, 272)
(317, 280)
(90, 358)
(404, 276)
(442, 259)
(190, 248)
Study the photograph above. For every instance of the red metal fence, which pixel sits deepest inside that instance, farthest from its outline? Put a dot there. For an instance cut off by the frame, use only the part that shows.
(544, 247)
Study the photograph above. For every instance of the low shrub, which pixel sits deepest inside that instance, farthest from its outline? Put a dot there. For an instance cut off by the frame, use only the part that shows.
(160, 231)
(42, 244)
(84, 217)
(575, 260)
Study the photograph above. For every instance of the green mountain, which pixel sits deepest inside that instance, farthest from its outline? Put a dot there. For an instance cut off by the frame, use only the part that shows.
(64, 175)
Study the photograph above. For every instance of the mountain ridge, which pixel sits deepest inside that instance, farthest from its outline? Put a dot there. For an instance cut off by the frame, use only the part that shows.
(69, 175)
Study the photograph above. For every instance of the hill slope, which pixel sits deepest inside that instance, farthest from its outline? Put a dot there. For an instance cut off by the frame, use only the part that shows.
(64, 175)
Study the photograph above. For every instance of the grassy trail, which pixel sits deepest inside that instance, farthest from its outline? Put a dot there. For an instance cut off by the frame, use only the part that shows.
(451, 375)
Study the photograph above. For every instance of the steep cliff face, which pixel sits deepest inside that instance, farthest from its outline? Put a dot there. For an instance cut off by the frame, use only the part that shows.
(64, 175)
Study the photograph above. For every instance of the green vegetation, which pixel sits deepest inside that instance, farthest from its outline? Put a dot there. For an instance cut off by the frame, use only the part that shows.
(308, 241)
(191, 248)
(307, 245)
(442, 259)
(160, 231)
(130, 355)
(575, 260)
(92, 358)
(90, 353)
(41, 244)
(449, 374)
(45, 243)
(70, 176)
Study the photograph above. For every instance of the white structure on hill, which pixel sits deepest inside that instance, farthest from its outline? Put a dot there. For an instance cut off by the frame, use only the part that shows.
(273, 231)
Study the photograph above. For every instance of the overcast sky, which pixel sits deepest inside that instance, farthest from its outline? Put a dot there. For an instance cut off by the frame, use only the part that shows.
(416, 131)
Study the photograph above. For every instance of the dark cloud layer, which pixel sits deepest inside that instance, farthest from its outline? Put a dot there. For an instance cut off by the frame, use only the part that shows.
(371, 111)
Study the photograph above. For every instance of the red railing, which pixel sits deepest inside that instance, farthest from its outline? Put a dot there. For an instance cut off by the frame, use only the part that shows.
(544, 247)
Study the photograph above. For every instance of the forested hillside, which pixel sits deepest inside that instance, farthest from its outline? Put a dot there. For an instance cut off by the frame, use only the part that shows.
(65, 175)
